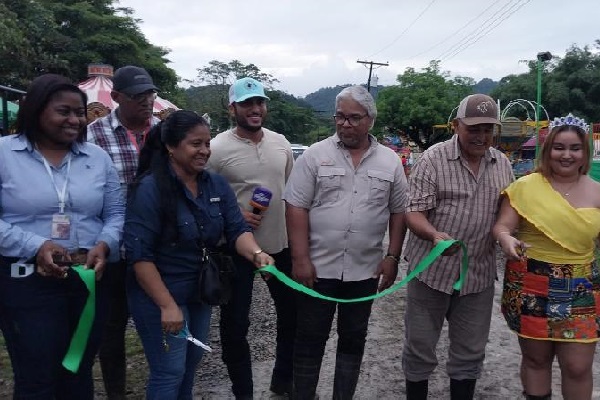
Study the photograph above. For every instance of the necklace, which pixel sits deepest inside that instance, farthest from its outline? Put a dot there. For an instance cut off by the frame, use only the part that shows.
(568, 190)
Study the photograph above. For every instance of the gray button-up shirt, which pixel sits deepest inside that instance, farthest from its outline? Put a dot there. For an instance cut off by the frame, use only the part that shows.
(462, 205)
(349, 208)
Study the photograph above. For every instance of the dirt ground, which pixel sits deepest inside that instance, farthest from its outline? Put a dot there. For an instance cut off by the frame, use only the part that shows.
(381, 373)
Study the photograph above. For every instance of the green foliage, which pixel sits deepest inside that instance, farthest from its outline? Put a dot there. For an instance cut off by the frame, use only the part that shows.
(294, 122)
(213, 100)
(64, 36)
(485, 86)
(323, 100)
(287, 114)
(569, 84)
(419, 101)
(224, 74)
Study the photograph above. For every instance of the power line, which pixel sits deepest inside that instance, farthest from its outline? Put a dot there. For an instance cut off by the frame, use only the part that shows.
(478, 35)
(405, 30)
(489, 29)
(477, 29)
(371, 63)
(454, 33)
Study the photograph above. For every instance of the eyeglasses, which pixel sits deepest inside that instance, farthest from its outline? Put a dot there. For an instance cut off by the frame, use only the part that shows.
(353, 120)
(141, 97)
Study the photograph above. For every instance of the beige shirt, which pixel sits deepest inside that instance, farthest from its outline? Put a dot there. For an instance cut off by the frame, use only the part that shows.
(462, 205)
(349, 209)
(247, 165)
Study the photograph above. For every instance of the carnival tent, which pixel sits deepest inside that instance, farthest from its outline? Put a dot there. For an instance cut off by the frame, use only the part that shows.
(532, 141)
(98, 90)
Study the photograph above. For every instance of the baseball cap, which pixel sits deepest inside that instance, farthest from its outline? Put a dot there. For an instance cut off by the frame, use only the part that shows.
(132, 80)
(245, 88)
(478, 109)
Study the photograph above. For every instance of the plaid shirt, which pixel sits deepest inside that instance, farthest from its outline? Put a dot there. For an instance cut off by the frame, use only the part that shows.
(464, 206)
(108, 133)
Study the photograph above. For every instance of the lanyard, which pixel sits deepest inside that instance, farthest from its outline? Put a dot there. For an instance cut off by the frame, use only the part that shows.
(62, 194)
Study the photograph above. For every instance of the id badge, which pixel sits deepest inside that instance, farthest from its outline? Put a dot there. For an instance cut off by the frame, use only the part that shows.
(61, 226)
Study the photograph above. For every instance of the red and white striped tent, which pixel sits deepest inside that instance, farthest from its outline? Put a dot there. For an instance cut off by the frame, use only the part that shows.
(98, 88)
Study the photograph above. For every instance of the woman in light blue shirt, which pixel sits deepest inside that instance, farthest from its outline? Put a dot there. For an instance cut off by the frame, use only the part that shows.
(60, 199)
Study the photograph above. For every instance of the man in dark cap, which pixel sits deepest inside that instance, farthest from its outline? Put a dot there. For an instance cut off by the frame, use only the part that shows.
(121, 134)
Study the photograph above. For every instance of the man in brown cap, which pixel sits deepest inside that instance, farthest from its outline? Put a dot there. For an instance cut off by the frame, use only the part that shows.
(454, 191)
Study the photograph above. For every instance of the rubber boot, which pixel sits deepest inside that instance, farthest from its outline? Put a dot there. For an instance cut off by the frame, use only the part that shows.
(306, 378)
(533, 397)
(463, 389)
(347, 370)
(240, 374)
(417, 390)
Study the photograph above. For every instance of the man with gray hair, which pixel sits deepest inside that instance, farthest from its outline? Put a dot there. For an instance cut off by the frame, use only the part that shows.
(341, 196)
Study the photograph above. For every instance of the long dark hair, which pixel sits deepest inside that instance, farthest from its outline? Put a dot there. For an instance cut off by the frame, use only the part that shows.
(39, 93)
(154, 160)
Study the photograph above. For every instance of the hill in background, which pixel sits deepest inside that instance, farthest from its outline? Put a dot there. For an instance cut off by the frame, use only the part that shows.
(323, 100)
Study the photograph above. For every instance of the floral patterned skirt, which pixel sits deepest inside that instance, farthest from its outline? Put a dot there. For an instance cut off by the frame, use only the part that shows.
(552, 301)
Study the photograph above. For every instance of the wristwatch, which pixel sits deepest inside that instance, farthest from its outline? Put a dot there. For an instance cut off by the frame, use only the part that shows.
(393, 257)
(255, 254)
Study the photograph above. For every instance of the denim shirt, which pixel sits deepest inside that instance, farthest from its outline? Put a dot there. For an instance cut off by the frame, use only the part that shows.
(178, 263)
(28, 198)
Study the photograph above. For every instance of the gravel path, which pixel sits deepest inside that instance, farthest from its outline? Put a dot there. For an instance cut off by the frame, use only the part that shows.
(381, 372)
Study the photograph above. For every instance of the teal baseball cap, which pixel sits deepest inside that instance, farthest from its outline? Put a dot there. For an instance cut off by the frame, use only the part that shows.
(246, 88)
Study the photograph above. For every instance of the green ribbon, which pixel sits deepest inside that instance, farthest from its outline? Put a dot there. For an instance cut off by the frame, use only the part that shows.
(421, 266)
(81, 335)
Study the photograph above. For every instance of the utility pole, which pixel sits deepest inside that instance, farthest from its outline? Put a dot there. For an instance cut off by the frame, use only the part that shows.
(371, 63)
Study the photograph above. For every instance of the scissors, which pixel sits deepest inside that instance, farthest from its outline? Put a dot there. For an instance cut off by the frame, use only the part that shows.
(185, 334)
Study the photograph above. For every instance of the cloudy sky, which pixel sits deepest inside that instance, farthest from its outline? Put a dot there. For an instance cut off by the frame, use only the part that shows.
(308, 44)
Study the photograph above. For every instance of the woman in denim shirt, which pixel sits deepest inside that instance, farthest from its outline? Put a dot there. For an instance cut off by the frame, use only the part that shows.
(162, 240)
(59, 197)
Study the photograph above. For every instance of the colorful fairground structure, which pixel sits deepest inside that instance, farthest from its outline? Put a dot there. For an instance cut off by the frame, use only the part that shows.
(98, 87)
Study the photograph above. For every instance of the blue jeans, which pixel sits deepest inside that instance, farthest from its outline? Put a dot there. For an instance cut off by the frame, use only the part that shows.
(172, 370)
(39, 316)
(235, 321)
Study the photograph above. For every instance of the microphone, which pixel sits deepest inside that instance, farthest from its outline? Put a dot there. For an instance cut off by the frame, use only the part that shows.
(261, 197)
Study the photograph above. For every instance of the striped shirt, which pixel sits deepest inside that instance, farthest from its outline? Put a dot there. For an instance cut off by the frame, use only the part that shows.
(348, 208)
(110, 134)
(462, 205)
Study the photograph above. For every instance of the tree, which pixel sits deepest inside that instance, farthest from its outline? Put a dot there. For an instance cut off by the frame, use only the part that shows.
(287, 115)
(64, 36)
(569, 84)
(220, 73)
(215, 95)
(419, 101)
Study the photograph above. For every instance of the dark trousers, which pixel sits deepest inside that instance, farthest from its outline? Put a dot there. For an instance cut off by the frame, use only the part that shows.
(39, 316)
(235, 322)
(315, 317)
(112, 350)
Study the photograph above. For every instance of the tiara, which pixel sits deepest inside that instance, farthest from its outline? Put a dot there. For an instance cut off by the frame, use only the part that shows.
(570, 120)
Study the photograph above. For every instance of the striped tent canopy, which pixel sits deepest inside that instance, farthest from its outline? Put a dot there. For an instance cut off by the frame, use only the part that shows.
(98, 90)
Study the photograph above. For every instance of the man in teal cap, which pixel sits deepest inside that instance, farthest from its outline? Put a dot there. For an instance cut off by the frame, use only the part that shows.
(251, 156)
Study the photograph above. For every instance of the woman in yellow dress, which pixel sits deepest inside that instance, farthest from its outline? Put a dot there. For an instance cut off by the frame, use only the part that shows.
(547, 227)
